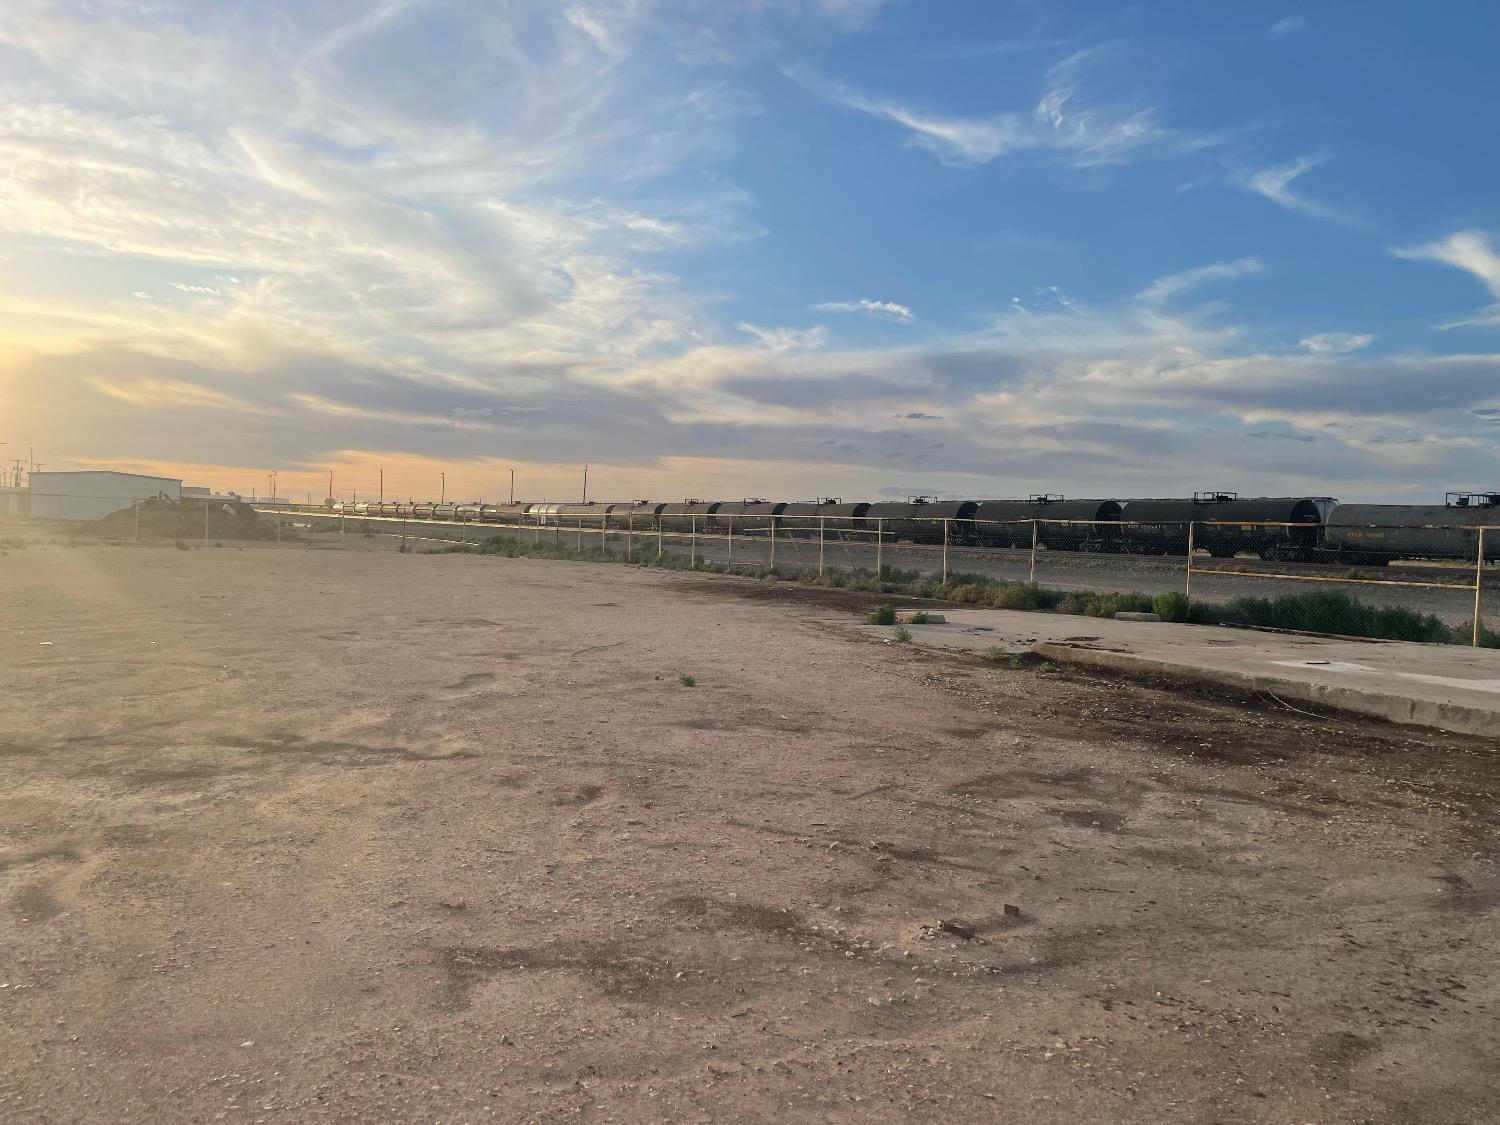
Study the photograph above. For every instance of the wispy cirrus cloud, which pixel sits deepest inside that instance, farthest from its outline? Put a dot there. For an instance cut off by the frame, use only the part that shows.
(1470, 251)
(1173, 284)
(1275, 184)
(1289, 25)
(1335, 343)
(886, 310)
(1062, 121)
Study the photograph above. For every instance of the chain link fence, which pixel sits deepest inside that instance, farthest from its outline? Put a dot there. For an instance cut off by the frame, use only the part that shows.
(1209, 564)
(1238, 570)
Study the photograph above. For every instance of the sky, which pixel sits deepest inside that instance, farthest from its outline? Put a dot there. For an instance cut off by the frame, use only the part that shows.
(732, 248)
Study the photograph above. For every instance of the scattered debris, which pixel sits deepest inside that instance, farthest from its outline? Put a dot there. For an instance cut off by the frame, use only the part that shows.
(1012, 910)
(453, 903)
(958, 929)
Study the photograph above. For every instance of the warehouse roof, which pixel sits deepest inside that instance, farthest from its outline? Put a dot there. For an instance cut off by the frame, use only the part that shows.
(100, 473)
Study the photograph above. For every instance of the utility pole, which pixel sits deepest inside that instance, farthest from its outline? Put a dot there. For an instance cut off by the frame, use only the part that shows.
(512, 486)
(585, 484)
(443, 488)
(330, 484)
(382, 486)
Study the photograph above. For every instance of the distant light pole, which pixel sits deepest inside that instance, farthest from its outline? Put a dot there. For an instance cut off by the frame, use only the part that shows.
(382, 486)
(443, 488)
(512, 486)
(585, 484)
(330, 484)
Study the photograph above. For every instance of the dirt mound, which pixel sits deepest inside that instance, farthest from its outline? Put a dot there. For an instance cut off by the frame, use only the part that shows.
(167, 519)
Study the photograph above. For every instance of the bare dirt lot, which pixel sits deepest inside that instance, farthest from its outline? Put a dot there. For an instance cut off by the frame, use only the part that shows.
(331, 833)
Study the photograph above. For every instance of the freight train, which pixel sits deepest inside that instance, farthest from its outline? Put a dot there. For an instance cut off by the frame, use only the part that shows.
(1287, 528)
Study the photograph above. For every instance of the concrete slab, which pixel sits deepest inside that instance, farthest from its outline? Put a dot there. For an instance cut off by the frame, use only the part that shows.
(1448, 687)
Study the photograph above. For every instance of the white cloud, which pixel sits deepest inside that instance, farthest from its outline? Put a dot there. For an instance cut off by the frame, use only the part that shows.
(1061, 121)
(1173, 284)
(1470, 251)
(1289, 24)
(1335, 343)
(888, 310)
(786, 339)
(1275, 184)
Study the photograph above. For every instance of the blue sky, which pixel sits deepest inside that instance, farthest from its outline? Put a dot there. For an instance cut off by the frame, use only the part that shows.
(780, 247)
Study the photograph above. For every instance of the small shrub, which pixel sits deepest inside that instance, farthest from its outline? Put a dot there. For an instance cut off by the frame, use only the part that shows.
(902, 634)
(997, 655)
(218, 543)
(1015, 596)
(885, 615)
(181, 546)
(919, 618)
(687, 681)
(1171, 607)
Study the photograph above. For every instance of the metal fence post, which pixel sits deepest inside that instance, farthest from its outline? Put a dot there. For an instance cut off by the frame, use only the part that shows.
(822, 537)
(731, 541)
(773, 543)
(629, 536)
(604, 536)
(205, 524)
(658, 537)
(137, 521)
(341, 523)
(1478, 586)
(1188, 587)
(580, 533)
(403, 531)
(945, 551)
(879, 547)
(1033, 552)
(693, 545)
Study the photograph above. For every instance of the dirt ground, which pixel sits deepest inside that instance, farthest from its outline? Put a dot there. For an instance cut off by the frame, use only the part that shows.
(326, 832)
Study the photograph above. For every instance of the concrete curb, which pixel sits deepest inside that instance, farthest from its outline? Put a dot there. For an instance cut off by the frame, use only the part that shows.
(1381, 705)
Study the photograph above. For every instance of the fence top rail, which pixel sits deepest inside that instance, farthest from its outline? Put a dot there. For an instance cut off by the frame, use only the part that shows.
(863, 522)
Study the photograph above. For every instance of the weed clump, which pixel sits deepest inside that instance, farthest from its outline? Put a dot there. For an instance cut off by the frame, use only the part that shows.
(687, 681)
(901, 635)
(885, 615)
(1331, 611)
(1171, 607)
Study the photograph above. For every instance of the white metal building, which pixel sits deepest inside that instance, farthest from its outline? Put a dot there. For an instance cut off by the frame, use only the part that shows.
(14, 501)
(94, 493)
